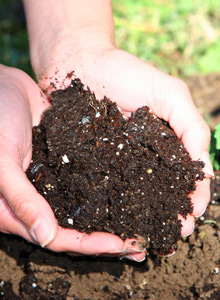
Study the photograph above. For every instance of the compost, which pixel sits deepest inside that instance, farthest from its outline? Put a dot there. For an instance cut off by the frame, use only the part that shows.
(100, 172)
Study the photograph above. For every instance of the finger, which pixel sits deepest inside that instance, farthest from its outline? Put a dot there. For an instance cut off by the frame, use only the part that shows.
(135, 245)
(189, 125)
(139, 257)
(69, 240)
(39, 104)
(10, 224)
(196, 140)
(188, 225)
(135, 249)
(201, 197)
(28, 206)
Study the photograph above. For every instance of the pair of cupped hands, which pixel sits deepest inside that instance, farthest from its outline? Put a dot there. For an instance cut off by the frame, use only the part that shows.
(129, 82)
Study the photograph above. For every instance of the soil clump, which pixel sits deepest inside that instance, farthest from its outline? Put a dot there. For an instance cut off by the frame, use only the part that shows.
(102, 173)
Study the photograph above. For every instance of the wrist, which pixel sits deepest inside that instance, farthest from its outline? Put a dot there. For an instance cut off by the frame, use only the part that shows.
(73, 47)
(69, 27)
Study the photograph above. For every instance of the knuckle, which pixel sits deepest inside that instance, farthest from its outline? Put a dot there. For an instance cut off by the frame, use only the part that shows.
(182, 86)
(3, 230)
(21, 207)
(207, 130)
(204, 130)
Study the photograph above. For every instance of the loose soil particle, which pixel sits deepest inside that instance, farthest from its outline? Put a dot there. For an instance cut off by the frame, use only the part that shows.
(102, 173)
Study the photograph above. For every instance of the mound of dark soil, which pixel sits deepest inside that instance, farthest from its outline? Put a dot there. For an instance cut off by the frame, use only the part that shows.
(102, 173)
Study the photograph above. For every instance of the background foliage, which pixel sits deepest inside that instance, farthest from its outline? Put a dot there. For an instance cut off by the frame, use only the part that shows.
(214, 149)
(180, 37)
(13, 36)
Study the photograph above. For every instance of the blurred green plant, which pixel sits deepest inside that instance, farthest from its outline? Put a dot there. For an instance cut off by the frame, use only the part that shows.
(13, 36)
(180, 37)
(214, 149)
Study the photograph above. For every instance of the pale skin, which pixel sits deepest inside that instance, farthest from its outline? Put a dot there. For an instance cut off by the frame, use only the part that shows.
(79, 36)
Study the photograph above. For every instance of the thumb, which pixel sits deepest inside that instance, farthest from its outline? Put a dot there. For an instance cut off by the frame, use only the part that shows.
(27, 204)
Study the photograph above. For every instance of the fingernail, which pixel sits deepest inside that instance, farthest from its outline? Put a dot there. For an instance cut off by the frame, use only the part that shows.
(134, 250)
(42, 232)
(125, 252)
(171, 253)
(208, 166)
(185, 235)
(131, 257)
(118, 252)
(201, 213)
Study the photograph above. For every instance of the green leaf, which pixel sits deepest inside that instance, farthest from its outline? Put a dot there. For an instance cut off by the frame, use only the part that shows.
(208, 61)
(217, 136)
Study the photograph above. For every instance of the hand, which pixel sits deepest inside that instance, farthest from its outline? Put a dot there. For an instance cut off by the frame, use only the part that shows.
(132, 84)
(80, 38)
(23, 211)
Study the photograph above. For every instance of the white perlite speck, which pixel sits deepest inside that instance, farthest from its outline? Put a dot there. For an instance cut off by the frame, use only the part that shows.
(70, 221)
(120, 146)
(85, 119)
(98, 114)
(65, 159)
